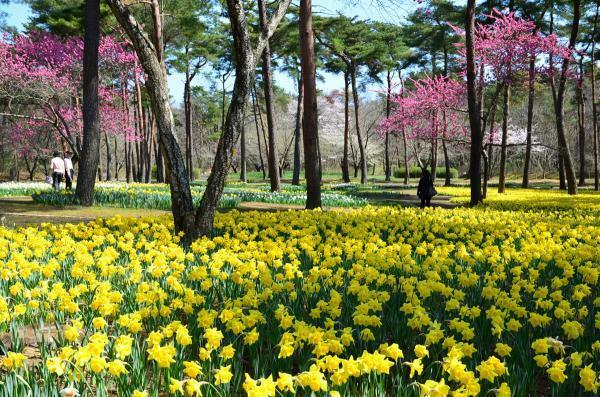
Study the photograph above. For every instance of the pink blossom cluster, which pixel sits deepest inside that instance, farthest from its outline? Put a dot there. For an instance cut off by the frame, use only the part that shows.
(432, 109)
(41, 79)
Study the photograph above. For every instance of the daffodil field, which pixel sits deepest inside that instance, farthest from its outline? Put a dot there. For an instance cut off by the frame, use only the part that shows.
(371, 301)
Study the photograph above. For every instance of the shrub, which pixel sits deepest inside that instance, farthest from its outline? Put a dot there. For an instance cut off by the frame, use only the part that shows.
(415, 172)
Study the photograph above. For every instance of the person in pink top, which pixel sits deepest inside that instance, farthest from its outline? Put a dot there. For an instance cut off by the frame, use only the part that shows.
(57, 165)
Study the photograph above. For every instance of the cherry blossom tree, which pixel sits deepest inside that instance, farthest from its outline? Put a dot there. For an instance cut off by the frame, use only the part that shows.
(432, 111)
(41, 81)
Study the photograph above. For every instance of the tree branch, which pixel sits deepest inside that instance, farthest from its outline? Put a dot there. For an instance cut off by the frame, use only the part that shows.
(271, 27)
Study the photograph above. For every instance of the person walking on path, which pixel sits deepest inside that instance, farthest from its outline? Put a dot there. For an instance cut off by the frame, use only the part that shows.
(57, 165)
(426, 191)
(68, 170)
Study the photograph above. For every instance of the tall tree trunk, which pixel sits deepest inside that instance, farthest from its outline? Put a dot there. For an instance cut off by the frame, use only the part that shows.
(562, 180)
(108, 156)
(127, 162)
(581, 123)
(530, 103)
(361, 146)
(90, 155)
(268, 88)
(345, 169)
(187, 106)
(406, 165)
(388, 109)
(474, 108)
(505, 112)
(594, 108)
(116, 175)
(260, 156)
(297, 132)
(243, 174)
(563, 144)
(310, 131)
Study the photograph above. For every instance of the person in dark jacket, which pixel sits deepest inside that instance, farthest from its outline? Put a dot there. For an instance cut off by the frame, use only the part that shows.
(426, 191)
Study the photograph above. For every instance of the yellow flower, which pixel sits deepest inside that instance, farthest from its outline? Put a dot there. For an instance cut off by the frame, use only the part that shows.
(556, 371)
(213, 338)
(117, 368)
(13, 361)
(504, 390)
(588, 379)
(285, 382)
(432, 388)
(223, 375)
(163, 355)
(192, 369)
(97, 364)
(227, 352)
(123, 346)
(138, 393)
(502, 349)
(312, 378)
(416, 366)
(541, 360)
(421, 351)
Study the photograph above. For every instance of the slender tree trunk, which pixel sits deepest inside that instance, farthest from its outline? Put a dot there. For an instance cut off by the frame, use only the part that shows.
(505, 112)
(361, 146)
(594, 108)
(345, 169)
(268, 88)
(563, 144)
(108, 156)
(474, 108)
(116, 175)
(310, 132)
(187, 106)
(127, 162)
(406, 165)
(388, 108)
(581, 122)
(530, 103)
(243, 174)
(90, 154)
(298, 132)
(260, 156)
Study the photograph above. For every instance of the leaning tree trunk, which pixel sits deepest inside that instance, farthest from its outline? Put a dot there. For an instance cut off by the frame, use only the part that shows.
(150, 56)
(310, 132)
(530, 103)
(108, 156)
(187, 106)
(503, 148)
(260, 156)
(297, 132)
(474, 109)
(361, 146)
(268, 87)
(244, 76)
(90, 154)
(345, 168)
(563, 145)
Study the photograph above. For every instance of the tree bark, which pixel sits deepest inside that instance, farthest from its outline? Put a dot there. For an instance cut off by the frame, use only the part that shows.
(297, 133)
(474, 109)
(310, 132)
(530, 103)
(90, 154)
(563, 144)
(503, 149)
(108, 156)
(388, 108)
(268, 88)
(594, 109)
(345, 169)
(150, 56)
(187, 107)
(361, 147)
(260, 156)
(581, 124)
(243, 173)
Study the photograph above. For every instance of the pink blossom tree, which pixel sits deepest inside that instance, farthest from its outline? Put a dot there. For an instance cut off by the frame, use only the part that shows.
(432, 111)
(41, 80)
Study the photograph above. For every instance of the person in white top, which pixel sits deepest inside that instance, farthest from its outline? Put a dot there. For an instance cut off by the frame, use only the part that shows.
(57, 165)
(68, 170)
